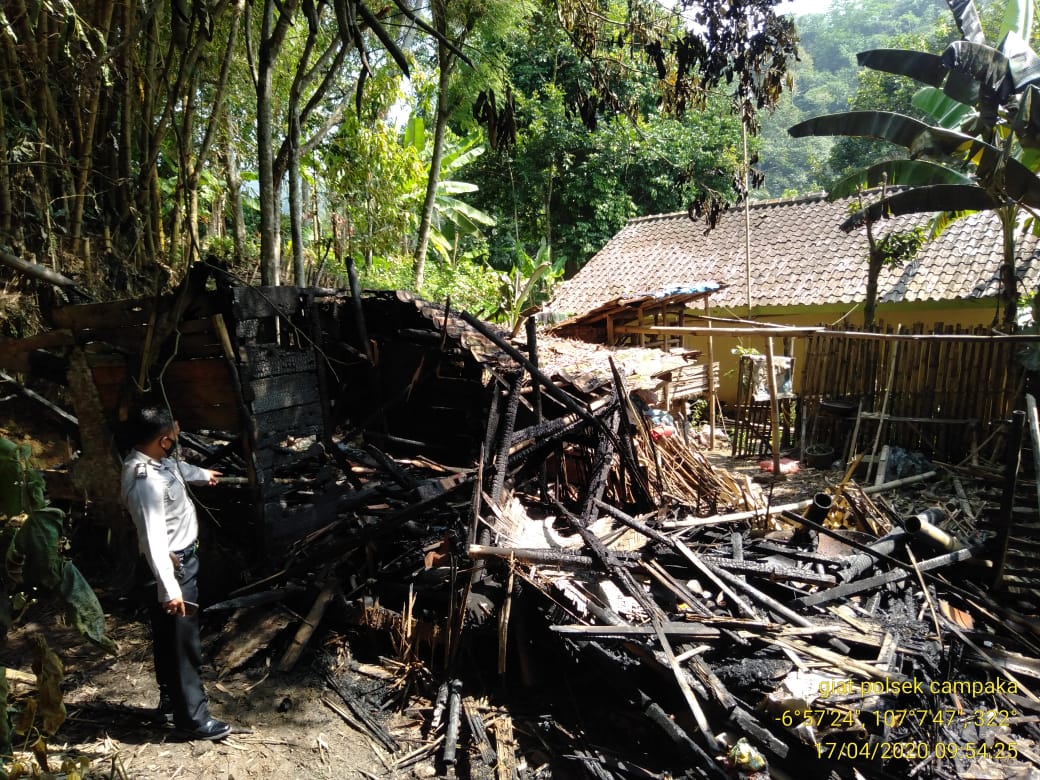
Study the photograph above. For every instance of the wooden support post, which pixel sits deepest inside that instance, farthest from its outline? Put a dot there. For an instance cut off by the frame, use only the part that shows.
(310, 623)
(871, 464)
(711, 379)
(774, 409)
(1034, 438)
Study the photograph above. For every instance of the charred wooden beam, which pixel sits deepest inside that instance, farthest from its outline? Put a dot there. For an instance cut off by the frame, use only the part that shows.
(504, 439)
(670, 628)
(774, 606)
(398, 474)
(550, 387)
(848, 589)
(532, 353)
(543, 556)
(770, 570)
(683, 550)
(601, 466)
(705, 763)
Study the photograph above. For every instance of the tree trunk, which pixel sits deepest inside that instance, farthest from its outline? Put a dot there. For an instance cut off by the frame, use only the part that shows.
(295, 195)
(270, 254)
(234, 185)
(1008, 276)
(433, 180)
(87, 143)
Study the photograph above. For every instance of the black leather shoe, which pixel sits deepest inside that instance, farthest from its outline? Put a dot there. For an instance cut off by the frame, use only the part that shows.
(162, 717)
(163, 714)
(212, 730)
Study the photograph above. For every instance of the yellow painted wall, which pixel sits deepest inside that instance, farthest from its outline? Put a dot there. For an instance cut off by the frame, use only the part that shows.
(965, 314)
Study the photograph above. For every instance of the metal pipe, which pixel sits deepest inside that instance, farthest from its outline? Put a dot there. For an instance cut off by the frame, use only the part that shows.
(923, 525)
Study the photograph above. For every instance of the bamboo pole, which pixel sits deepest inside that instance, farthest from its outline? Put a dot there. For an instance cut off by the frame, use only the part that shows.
(774, 409)
(884, 407)
(711, 379)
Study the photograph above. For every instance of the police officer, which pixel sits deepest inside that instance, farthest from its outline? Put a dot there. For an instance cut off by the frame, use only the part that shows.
(154, 489)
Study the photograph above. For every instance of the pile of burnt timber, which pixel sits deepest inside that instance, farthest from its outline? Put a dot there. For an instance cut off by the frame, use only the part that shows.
(702, 635)
(484, 502)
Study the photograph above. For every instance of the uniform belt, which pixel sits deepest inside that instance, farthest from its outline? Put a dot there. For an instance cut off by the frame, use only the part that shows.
(179, 556)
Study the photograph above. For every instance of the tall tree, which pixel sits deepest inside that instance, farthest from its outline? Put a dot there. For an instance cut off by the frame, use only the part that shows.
(456, 23)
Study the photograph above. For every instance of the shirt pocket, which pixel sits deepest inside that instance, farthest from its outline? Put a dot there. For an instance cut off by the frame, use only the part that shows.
(174, 491)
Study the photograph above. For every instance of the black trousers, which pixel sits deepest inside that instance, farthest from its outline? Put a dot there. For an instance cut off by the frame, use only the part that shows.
(177, 649)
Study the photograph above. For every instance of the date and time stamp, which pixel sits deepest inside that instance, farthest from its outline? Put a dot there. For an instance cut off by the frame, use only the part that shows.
(835, 724)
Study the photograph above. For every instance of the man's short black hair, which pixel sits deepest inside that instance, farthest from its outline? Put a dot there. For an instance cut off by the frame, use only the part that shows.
(147, 423)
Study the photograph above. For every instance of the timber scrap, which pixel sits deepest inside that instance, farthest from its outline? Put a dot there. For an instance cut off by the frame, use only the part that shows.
(420, 473)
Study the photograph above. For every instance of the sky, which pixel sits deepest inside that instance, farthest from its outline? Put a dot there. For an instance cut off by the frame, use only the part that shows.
(798, 7)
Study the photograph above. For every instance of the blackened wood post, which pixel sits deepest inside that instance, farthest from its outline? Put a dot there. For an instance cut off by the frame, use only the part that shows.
(601, 467)
(630, 418)
(505, 438)
(451, 726)
(536, 400)
(1012, 462)
(355, 305)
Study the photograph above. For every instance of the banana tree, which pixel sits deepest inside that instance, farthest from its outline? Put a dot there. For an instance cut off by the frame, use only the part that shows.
(453, 218)
(989, 163)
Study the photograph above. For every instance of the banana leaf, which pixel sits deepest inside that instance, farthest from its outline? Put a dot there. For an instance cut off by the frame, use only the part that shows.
(943, 110)
(1004, 176)
(83, 609)
(1018, 17)
(913, 173)
(967, 18)
(1023, 64)
(987, 67)
(924, 200)
(918, 65)
(920, 138)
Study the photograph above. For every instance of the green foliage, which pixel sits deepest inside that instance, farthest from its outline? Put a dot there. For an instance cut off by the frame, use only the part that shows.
(827, 80)
(573, 182)
(527, 285)
(32, 564)
(900, 246)
(454, 219)
(469, 282)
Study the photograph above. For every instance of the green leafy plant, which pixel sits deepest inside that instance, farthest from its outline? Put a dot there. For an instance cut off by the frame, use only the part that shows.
(32, 568)
(524, 287)
(901, 246)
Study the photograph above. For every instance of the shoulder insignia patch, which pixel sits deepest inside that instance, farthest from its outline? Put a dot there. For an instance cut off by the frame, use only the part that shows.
(141, 470)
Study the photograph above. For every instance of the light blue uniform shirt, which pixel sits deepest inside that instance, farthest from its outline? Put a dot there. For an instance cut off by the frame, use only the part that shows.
(156, 495)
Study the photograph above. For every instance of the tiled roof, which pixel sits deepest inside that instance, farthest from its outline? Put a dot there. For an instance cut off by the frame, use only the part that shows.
(799, 257)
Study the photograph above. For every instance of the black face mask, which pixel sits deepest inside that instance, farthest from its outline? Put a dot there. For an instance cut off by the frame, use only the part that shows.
(168, 450)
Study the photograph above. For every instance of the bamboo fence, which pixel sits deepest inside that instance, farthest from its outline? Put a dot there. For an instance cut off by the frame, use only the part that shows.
(941, 392)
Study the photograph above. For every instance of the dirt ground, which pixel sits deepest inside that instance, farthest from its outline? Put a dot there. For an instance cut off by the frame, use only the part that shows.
(283, 726)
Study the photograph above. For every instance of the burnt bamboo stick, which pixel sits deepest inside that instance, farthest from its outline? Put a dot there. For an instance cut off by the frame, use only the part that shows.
(550, 387)
(775, 606)
(536, 389)
(451, 725)
(505, 437)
